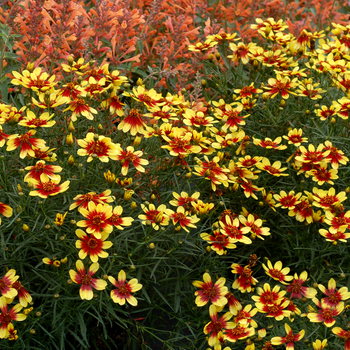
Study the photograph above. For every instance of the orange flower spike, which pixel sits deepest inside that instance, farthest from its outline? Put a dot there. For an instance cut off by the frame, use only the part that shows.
(289, 339)
(209, 292)
(277, 272)
(26, 143)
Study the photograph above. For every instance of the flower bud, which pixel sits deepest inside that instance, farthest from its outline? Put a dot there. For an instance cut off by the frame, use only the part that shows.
(71, 127)
(25, 228)
(137, 141)
(133, 205)
(70, 140)
(30, 67)
(128, 195)
(151, 246)
(71, 160)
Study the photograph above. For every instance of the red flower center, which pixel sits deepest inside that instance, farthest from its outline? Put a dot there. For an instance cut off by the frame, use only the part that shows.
(48, 186)
(24, 138)
(327, 314)
(17, 285)
(2, 284)
(276, 273)
(96, 220)
(7, 318)
(92, 243)
(333, 298)
(295, 287)
(123, 290)
(217, 327)
(86, 279)
(289, 338)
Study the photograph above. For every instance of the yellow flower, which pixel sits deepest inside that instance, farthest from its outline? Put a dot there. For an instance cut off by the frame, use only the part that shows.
(60, 218)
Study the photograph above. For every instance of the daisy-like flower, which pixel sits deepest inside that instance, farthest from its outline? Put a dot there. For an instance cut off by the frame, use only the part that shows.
(80, 107)
(281, 85)
(302, 211)
(117, 221)
(182, 218)
(95, 87)
(124, 289)
(70, 91)
(276, 310)
(179, 142)
(45, 153)
(231, 117)
(266, 296)
(218, 241)
(7, 316)
(322, 174)
(209, 292)
(338, 220)
(202, 208)
(217, 324)
(309, 89)
(154, 216)
(295, 138)
(36, 80)
(75, 66)
(247, 91)
(5, 210)
(163, 113)
(96, 219)
(326, 112)
(255, 226)
(131, 156)
(245, 280)
(339, 235)
(335, 156)
(334, 297)
(114, 104)
(212, 171)
(101, 146)
(23, 295)
(274, 169)
(239, 332)
(184, 199)
(277, 272)
(269, 144)
(244, 316)
(341, 333)
(297, 289)
(149, 97)
(26, 143)
(287, 201)
(311, 156)
(32, 121)
(133, 123)
(200, 47)
(39, 168)
(327, 199)
(92, 246)
(6, 288)
(233, 229)
(3, 137)
(86, 280)
(343, 107)
(83, 200)
(318, 345)
(115, 78)
(48, 187)
(289, 339)
(197, 118)
(325, 313)
(241, 51)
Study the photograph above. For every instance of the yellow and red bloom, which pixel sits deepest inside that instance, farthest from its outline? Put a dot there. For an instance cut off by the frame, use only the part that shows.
(86, 280)
(96, 219)
(231, 117)
(289, 339)
(341, 333)
(70, 91)
(233, 229)
(164, 113)
(277, 272)
(23, 295)
(3, 137)
(184, 199)
(77, 66)
(7, 316)
(247, 91)
(336, 156)
(269, 144)
(218, 241)
(255, 223)
(80, 107)
(182, 218)
(84, 199)
(124, 289)
(318, 345)
(339, 221)
(325, 313)
(5, 210)
(200, 47)
(39, 168)
(154, 216)
(297, 289)
(266, 296)
(31, 121)
(321, 174)
(209, 292)
(274, 169)
(133, 123)
(334, 297)
(131, 156)
(48, 187)
(311, 156)
(95, 87)
(149, 97)
(92, 246)
(26, 143)
(197, 119)
(326, 112)
(302, 211)
(101, 146)
(36, 80)
(241, 51)
(295, 137)
(60, 219)
(114, 104)
(217, 325)
(244, 316)
(287, 201)
(277, 310)
(245, 280)
(327, 199)
(117, 221)
(239, 332)
(6, 288)
(339, 235)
